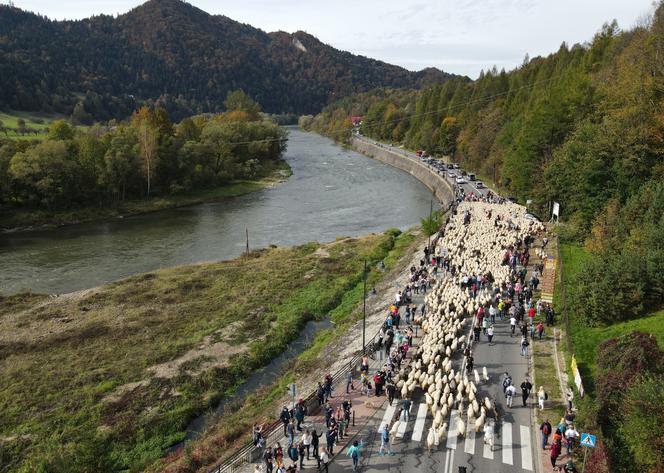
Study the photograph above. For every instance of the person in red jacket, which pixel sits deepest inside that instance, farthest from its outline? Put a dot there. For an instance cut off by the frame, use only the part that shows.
(555, 452)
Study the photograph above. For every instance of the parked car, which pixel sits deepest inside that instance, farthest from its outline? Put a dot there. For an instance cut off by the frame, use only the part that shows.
(479, 184)
(451, 174)
(531, 217)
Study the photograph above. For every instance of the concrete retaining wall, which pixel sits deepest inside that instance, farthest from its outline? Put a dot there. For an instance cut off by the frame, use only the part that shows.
(399, 159)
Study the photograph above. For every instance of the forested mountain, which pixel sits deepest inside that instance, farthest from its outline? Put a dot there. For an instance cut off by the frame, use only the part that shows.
(178, 57)
(583, 127)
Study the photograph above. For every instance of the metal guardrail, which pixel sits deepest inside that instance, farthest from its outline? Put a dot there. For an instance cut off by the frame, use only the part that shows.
(250, 453)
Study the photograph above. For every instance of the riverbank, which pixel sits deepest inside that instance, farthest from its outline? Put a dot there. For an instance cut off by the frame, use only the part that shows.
(111, 376)
(26, 219)
(329, 352)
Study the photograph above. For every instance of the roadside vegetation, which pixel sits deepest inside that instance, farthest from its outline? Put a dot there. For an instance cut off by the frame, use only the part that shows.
(107, 379)
(234, 428)
(70, 174)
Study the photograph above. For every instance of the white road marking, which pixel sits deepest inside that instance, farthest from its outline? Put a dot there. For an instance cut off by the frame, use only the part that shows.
(526, 450)
(401, 431)
(447, 461)
(387, 418)
(488, 451)
(507, 443)
(469, 446)
(452, 430)
(419, 423)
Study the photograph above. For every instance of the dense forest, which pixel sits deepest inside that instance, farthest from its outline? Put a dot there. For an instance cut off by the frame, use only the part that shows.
(145, 156)
(583, 127)
(169, 54)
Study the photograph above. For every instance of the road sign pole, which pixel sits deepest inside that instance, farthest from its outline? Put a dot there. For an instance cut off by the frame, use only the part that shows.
(583, 469)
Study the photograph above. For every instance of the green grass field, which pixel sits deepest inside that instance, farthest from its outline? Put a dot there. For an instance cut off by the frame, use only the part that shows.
(107, 379)
(33, 120)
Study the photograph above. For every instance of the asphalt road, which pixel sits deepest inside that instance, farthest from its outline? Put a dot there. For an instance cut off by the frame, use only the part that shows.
(515, 440)
(468, 187)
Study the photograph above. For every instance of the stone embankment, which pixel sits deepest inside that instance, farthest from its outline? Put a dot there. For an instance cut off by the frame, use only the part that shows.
(406, 162)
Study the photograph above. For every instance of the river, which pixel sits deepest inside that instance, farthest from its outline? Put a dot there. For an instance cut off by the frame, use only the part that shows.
(333, 192)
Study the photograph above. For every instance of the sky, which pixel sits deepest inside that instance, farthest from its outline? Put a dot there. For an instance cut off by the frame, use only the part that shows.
(458, 36)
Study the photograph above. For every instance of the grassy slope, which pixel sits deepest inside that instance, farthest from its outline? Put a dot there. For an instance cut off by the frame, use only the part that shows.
(27, 218)
(10, 120)
(60, 359)
(586, 339)
(261, 406)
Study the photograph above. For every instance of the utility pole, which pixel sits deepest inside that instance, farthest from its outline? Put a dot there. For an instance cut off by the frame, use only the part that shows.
(247, 232)
(430, 222)
(364, 311)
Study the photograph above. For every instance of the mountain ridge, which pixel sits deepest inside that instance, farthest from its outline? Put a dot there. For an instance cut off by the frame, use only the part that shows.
(173, 54)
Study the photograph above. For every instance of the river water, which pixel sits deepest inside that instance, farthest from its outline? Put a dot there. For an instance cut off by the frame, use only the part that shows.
(333, 192)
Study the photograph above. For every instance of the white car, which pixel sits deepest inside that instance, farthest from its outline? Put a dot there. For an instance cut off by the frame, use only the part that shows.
(531, 217)
(460, 180)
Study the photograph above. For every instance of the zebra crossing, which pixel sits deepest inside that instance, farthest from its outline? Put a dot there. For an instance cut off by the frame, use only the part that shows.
(513, 445)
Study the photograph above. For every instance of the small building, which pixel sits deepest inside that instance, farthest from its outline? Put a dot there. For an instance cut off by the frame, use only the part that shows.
(357, 120)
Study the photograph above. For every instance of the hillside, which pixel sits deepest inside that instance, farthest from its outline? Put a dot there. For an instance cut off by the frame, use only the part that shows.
(182, 58)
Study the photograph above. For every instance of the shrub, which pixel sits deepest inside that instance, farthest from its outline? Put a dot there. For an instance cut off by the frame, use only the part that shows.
(644, 418)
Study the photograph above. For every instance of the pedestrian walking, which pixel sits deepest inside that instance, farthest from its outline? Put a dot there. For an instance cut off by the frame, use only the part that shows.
(349, 381)
(555, 452)
(279, 455)
(541, 397)
(489, 333)
(569, 397)
(330, 438)
(571, 436)
(315, 442)
(385, 440)
(324, 460)
(524, 346)
(545, 428)
(476, 332)
(391, 391)
(300, 453)
(354, 453)
(268, 459)
(507, 380)
(306, 442)
(285, 418)
(540, 329)
(526, 387)
(512, 325)
(406, 409)
(290, 433)
(510, 392)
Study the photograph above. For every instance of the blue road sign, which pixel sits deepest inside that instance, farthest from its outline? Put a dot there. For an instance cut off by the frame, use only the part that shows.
(588, 440)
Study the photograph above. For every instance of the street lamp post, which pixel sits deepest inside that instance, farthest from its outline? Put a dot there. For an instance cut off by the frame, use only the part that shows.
(364, 311)
(430, 222)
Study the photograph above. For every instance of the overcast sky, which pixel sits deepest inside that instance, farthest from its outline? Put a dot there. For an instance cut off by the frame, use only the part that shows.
(459, 36)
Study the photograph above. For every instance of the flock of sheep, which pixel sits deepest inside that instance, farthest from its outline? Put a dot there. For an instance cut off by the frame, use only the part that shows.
(477, 248)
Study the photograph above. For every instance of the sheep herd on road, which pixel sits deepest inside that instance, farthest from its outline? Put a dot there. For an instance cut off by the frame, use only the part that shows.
(476, 238)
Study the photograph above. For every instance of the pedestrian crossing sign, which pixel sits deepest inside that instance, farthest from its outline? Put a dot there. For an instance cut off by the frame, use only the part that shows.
(588, 440)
